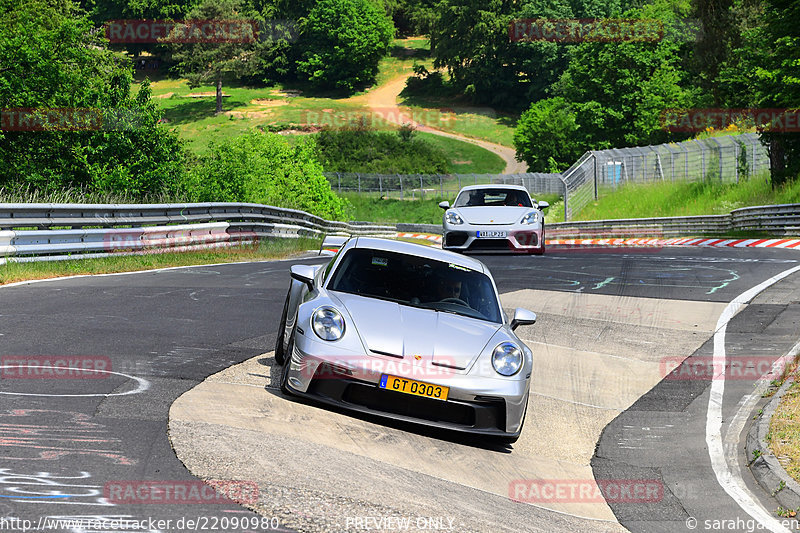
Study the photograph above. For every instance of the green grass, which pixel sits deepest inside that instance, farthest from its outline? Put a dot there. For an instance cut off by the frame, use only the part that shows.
(370, 208)
(272, 249)
(683, 199)
(466, 158)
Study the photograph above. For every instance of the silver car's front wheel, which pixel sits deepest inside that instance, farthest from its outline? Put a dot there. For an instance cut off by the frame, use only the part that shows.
(287, 363)
(279, 351)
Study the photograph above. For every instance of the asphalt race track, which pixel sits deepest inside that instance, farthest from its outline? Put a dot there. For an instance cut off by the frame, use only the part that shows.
(613, 325)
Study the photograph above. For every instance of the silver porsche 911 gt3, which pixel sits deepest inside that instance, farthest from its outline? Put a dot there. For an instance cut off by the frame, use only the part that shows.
(408, 332)
(494, 217)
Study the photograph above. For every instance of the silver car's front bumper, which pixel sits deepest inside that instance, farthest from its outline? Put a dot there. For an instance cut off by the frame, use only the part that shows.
(475, 403)
(464, 237)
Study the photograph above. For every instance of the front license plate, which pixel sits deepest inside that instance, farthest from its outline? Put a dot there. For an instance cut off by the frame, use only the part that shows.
(491, 234)
(417, 388)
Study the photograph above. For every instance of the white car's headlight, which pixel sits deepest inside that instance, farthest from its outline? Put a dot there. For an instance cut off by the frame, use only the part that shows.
(328, 324)
(452, 218)
(507, 359)
(531, 218)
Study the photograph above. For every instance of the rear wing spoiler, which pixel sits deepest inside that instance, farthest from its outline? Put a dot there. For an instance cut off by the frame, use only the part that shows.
(332, 243)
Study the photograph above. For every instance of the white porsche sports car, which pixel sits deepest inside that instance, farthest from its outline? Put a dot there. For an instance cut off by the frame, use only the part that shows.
(408, 332)
(494, 217)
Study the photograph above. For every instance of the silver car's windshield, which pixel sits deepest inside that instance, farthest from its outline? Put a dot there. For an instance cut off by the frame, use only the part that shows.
(417, 282)
(493, 197)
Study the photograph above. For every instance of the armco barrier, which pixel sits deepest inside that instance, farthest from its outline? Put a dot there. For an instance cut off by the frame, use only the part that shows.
(56, 231)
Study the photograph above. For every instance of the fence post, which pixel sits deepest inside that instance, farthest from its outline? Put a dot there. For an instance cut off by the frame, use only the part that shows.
(594, 157)
(400, 177)
(441, 186)
(380, 185)
(339, 177)
(359, 182)
(421, 188)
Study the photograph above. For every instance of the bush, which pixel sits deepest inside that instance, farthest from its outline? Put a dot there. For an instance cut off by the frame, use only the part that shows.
(263, 168)
(358, 149)
(342, 43)
(545, 136)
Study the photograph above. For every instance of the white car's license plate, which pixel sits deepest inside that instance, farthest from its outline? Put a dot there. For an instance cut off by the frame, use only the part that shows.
(491, 234)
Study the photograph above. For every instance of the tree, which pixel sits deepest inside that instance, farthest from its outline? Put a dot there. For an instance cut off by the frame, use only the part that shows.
(263, 168)
(619, 90)
(55, 64)
(342, 42)
(204, 60)
(545, 134)
(779, 85)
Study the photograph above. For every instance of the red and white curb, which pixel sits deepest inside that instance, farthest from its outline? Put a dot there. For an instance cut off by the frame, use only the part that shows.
(677, 241)
(683, 241)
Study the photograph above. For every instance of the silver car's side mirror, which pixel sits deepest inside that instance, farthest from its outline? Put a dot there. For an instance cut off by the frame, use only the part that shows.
(522, 317)
(544, 205)
(444, 205)
(305, 274)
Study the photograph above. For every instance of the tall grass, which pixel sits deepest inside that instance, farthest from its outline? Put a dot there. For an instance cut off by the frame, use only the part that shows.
(709, 197)
(76, 195)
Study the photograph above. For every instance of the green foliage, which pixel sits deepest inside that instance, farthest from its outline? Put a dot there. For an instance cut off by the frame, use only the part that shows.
(546, 136)
(357, 149)
(202, 62)
(264, 168)
(53, 61)
(342, 42)
(779, 84)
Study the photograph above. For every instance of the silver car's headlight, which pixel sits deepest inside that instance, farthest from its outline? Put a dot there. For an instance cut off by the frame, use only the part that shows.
(328, 324)
(531, 218)
(453, 218)
(507, 359)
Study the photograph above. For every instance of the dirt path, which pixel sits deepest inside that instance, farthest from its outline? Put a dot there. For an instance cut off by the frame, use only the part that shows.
(383, 102)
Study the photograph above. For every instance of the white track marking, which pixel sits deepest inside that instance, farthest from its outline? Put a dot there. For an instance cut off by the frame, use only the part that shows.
(142, 386)
(731, 481)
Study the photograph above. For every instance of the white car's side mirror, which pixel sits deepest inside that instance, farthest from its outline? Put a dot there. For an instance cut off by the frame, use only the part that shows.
(305, 274)
(444, 205)
(522, 317)
(544, 205)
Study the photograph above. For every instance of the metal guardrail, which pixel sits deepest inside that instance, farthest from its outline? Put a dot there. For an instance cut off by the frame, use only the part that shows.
(775, 220)
(57, 231)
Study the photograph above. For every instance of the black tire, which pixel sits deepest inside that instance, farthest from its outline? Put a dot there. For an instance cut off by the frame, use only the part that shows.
(286, 365)
(279, 351)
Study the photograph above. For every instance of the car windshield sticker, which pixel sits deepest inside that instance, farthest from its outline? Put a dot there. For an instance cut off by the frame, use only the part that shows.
(380, 261)
(458, 267)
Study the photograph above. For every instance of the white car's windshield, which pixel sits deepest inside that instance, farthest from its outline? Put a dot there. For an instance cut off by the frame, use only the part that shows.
(493, 197)
(418, 282)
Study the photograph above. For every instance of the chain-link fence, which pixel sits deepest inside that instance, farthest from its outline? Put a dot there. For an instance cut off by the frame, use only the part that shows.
(726, 158)
(420, 186)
